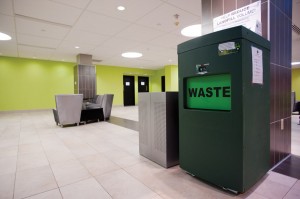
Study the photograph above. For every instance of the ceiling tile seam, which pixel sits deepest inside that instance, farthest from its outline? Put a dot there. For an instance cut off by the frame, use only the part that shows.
(150, 11)
(36, 46)
(130, 23)
(69, 5)
(184, 9)
(109, 36)
(72, 27)
(38, 36)
(42, 21)
(150, 27)
(16, 35)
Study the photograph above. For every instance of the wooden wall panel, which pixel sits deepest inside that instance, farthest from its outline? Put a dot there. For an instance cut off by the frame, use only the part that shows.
(279, 15)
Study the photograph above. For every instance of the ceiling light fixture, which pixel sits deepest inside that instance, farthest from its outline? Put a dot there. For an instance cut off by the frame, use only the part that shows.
(295, 63)
(192, 31)
(121, 8)
(77, 47)
(132, 55)
(4, 37)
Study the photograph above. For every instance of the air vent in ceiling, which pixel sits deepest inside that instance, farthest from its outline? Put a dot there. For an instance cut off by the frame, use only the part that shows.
(96, 60)
(296, 29)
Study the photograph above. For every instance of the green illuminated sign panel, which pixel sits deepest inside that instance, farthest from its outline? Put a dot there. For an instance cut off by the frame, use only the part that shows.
(209, 92)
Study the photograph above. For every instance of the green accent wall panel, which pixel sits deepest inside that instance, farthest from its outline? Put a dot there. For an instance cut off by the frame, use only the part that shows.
(296, 82)
(110, 80)
(30, 84)
(171, 73)
(156, 80)
(27, 84)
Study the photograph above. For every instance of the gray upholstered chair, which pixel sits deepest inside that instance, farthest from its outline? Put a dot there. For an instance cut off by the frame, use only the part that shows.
(68, 109)
(103, 101)
(107, 105)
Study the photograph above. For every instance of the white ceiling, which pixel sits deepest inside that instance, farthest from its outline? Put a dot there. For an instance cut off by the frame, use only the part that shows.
(50, 29)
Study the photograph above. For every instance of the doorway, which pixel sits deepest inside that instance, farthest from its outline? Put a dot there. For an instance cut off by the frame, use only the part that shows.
(143, 84)
(128, 90)
(163, 87)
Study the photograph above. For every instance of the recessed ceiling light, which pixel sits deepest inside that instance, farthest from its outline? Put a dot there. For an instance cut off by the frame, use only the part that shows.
(77, 47)
(192, 31)
(295, 63)
(4, 36)
(132, 54)
(121, 8)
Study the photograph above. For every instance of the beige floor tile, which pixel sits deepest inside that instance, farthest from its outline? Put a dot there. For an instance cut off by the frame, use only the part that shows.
(174, 182)
(117, 148)
(98, 164)
(68, 172)
(7, 182)
(294, 193)
(273, 190)
(101, 146)
(123, 158)
(8, 165)
(120, 184)
(30, 148)
(252, 195)
(29, 139)
(55, 157)
(53, 194)
(8, 142)
(31, 160)
(82, 150)
(281, 179)
(297, 185)
(8, 151)
(34, 181)
(89, 189)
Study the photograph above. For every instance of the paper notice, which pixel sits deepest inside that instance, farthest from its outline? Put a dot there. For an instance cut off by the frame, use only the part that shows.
(257, 66)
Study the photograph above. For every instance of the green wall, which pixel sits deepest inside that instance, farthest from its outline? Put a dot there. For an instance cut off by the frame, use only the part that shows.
(27, 84)
(296, 82)
(171, 72)
(30, 84)
(110, 80)
(156, 80)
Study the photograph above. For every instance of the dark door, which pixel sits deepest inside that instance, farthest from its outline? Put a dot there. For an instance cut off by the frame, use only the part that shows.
(128, 88)
(143, 84)
(163, 88)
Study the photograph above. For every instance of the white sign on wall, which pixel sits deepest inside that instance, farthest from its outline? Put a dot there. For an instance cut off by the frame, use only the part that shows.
(248, 16)
(257, 65)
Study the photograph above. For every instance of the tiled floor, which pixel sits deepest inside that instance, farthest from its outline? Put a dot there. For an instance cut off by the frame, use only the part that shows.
(99, 160)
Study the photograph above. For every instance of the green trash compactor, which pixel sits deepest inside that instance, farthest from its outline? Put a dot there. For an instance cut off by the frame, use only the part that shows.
(224, 108)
